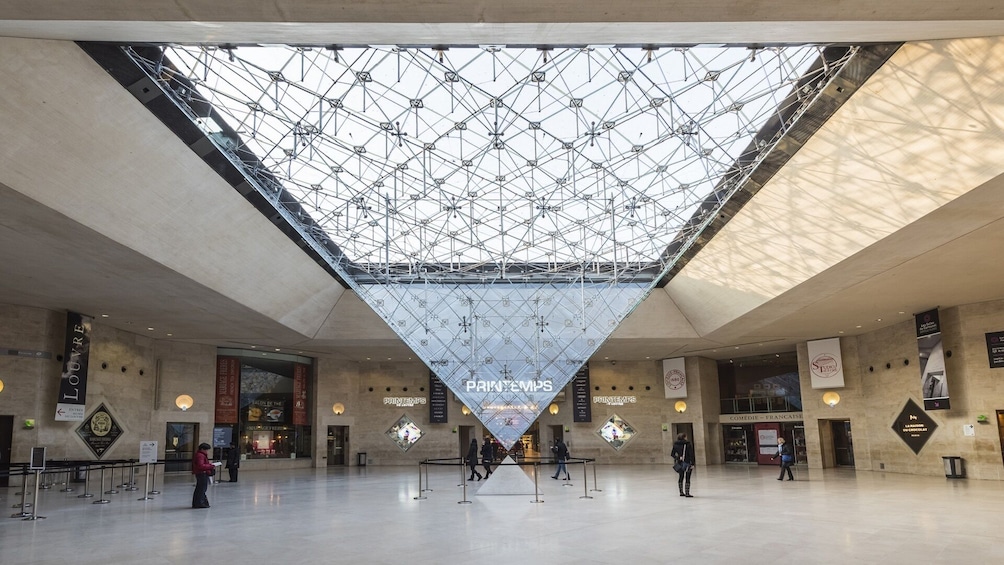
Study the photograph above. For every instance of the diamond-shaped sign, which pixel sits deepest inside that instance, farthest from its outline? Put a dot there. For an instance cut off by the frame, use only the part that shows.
(99, 431)
(914, 426)
(404, 433)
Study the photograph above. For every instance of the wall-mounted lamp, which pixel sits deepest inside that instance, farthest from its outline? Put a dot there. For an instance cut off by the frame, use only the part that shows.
(553, 408)
(338, 408)
(184, 402)
(831, 398)
(1, 386)
(465, 410)
(680, 406)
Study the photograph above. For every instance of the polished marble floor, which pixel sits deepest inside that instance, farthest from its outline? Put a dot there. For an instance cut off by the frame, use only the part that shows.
(367, 515)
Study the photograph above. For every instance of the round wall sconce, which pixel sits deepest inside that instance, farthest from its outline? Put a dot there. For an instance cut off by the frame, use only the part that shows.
(465, 410)
(1, 386)
(831, 398)
(184, 402)
(338, 408)
(553, 408)
(680, 406)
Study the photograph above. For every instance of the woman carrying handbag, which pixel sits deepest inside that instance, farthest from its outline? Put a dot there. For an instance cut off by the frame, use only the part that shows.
(683, 457)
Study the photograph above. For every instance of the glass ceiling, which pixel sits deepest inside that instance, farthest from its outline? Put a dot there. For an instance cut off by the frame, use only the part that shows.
(502, 209)
(504, 160)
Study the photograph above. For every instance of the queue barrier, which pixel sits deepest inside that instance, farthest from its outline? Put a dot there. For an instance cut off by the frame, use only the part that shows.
(67, 472)
(535, 462)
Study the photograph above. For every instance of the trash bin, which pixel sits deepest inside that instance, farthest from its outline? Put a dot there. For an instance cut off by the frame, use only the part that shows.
(954, 467)
(361, 459)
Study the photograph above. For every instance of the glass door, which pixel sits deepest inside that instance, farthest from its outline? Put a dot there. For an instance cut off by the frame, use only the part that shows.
(338, 439)
(180, 446)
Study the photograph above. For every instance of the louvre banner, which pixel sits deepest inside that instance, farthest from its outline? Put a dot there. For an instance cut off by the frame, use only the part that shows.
(826, 367)
(674, 377)
(933, 379)
(71, 402)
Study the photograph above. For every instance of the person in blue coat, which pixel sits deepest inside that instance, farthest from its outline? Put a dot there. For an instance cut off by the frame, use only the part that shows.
(560, 451)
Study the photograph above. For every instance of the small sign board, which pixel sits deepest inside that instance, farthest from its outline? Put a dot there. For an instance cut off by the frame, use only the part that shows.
(37, 462)
(147, 452)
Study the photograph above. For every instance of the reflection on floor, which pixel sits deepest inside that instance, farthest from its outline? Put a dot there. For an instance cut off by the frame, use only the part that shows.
(369, 515)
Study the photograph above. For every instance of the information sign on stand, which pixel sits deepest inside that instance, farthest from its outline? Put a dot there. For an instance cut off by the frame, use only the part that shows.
(147, 452)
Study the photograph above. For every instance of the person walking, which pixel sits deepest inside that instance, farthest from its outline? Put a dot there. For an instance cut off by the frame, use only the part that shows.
(201, 468)
(560, 455)
(472, 460)
(487, 456)
(787, 455)
(233, 462)
(684, 461)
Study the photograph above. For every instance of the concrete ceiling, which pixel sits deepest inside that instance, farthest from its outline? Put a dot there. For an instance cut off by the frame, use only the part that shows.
(104, 211)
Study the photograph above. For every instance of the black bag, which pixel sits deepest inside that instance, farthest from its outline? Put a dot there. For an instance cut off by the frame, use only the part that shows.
(678, 466)
(212, 472)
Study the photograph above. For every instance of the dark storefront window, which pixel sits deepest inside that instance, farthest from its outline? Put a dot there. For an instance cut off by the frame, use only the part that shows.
(273, 403)
(766, 383)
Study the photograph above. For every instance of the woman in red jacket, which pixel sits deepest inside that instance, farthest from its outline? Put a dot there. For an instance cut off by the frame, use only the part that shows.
(201, 468)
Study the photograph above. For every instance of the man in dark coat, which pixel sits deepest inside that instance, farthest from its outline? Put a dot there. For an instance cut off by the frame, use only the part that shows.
(233, 462)
(787, 455)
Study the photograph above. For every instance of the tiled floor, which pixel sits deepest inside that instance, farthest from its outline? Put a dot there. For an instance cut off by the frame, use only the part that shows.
(368, 515)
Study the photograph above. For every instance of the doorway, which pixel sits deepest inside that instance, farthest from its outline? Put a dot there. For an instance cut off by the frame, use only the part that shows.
(180, 442)
(466, 434)
(1000, 429)
(338, 444)
(843, 446)
(6, 443)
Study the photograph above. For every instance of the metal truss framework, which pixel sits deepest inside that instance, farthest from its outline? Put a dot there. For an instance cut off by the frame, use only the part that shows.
(502, 209)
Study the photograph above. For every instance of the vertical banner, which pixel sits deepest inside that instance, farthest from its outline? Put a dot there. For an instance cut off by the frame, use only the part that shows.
(71, 402)
(826, 367)
(674, 377)
(300, 372)
(437, 400)
(933, 379)
(582, 410)
(228, 375)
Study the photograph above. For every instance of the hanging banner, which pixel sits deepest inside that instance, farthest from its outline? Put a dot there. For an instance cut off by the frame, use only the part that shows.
(674, 377)
(933, 379)
(437, 400)
(826, 366)
(228, 374)
(581, 410)
(71, 403)
(300, 372)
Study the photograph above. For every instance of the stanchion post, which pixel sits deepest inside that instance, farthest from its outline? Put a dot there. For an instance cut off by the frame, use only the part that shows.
(102, 500)
(567, 481)
(146, 484)
(463, 477)
(154, 491)
(111, 485)
(596, 487)
(34, 505)
(131, 483)
(427, 477)
(24, 494)
(87, 480)
(585, 482)
(536, 488)
(66, 485)
(420, 489)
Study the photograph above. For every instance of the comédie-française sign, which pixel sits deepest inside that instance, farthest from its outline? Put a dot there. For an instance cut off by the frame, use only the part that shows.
(761, 417)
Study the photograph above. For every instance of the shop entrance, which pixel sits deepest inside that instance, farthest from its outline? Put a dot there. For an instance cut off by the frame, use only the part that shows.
(338, 444)
(466, 434)
(843, 447)
(180, 446)
(6, 442)
(1000, 429)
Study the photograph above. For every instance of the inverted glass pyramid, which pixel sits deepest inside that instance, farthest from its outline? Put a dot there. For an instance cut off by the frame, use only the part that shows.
(502, 209)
